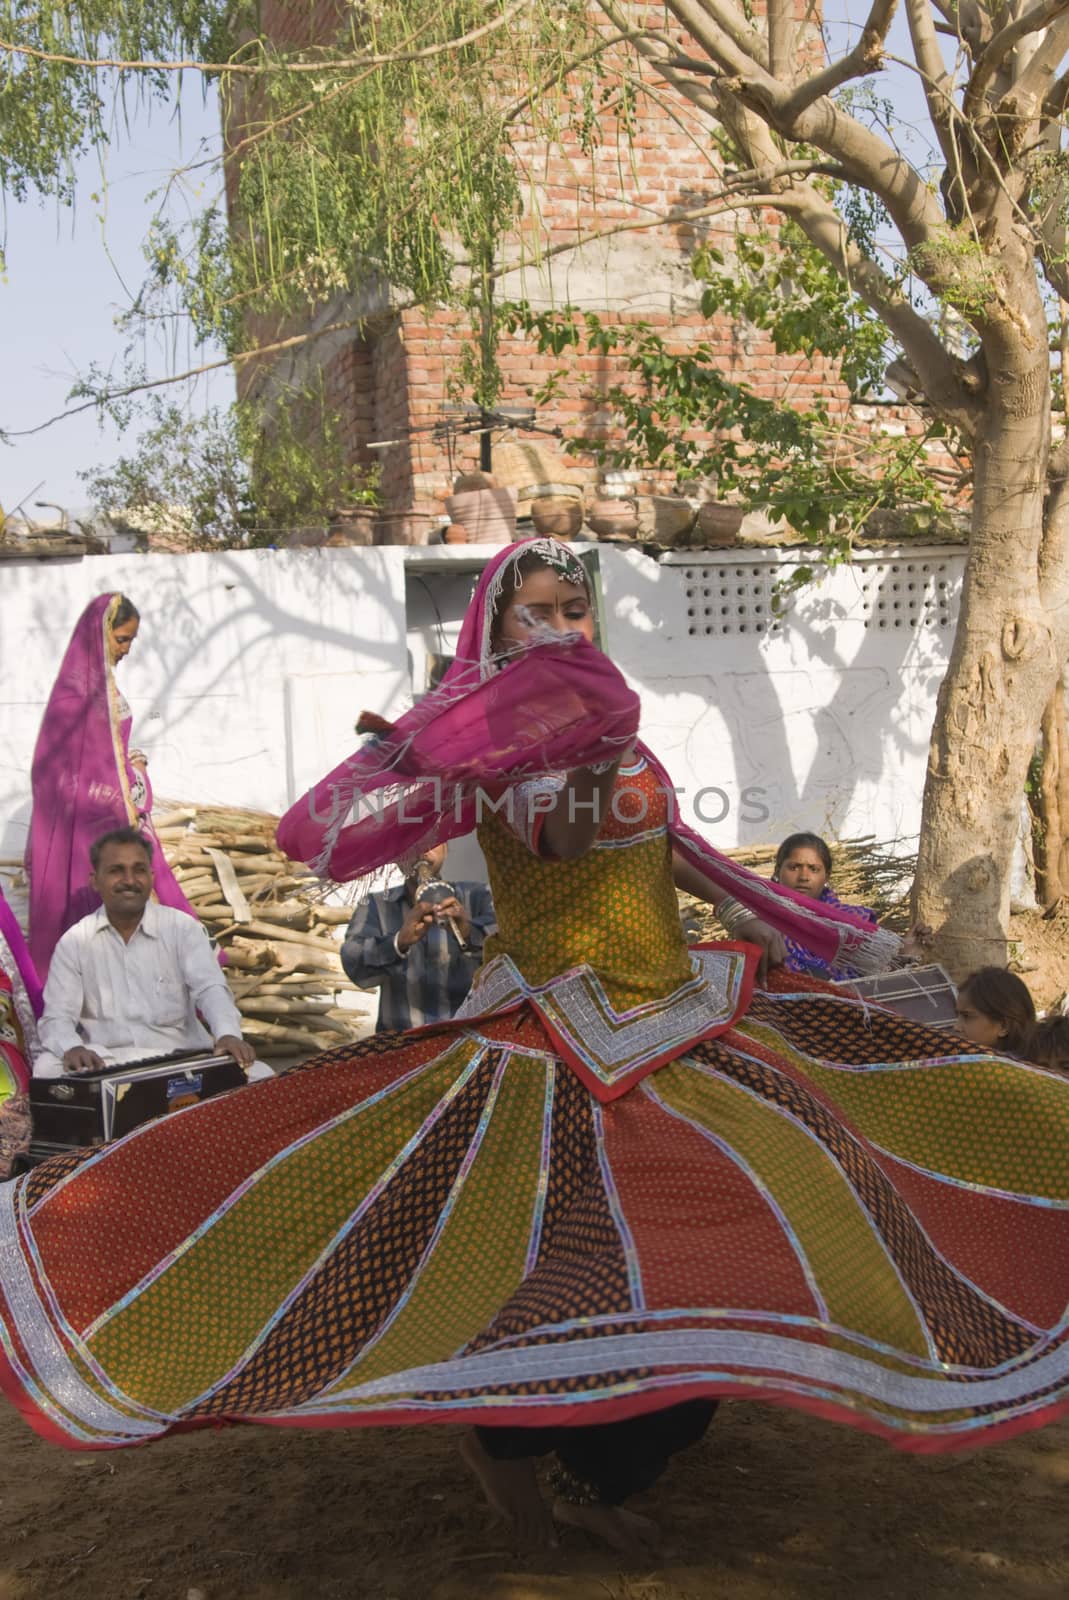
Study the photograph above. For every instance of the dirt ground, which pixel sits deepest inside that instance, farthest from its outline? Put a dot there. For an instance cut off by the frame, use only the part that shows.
(1039, 951)
(772, 1506)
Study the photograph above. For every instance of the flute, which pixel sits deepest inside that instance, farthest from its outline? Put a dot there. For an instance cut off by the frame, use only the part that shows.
(425, 879)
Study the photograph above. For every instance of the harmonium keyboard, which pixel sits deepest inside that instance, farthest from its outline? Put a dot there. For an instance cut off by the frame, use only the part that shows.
(92, 1108)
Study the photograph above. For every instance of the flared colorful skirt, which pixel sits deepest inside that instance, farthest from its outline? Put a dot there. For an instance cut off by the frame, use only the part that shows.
(824, 1207)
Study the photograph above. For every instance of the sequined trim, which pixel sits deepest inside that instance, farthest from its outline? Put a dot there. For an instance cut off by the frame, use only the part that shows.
(614, 1044)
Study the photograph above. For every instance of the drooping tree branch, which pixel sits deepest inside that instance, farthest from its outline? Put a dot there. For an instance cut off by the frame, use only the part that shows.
(742, 192)
(259, 69)
(609, 41)
(124, 391)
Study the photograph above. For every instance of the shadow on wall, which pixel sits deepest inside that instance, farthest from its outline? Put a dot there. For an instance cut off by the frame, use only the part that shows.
(764, 718)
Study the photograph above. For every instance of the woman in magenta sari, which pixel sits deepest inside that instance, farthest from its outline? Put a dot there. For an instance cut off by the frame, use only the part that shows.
(86, 779)
(20, 1006)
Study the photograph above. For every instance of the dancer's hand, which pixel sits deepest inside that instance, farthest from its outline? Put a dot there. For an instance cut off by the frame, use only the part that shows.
(771, 944)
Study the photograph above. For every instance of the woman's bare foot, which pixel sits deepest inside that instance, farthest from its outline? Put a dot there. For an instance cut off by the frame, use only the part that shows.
(626, 1531)
(511, 1489)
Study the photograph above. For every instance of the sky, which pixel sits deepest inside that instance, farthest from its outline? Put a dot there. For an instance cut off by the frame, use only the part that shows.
(68, 274)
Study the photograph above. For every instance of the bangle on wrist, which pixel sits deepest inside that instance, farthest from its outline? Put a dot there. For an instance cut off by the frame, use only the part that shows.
(732, 914)
(401, 954)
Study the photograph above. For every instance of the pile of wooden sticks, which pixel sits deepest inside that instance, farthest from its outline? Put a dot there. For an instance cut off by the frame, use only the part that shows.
(268, 913)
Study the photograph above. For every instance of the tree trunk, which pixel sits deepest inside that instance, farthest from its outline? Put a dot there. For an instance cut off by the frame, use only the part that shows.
(1003, 668)
(1050, 803)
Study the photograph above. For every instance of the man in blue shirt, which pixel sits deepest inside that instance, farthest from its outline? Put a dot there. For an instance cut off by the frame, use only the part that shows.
(420, 947)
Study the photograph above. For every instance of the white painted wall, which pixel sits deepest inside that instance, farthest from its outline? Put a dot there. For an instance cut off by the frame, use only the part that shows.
(824, 714)
(251, 667)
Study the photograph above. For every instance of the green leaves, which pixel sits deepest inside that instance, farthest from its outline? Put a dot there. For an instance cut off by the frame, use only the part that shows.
(52, 111)
(678, 412)
(782, 285)
(221, 477)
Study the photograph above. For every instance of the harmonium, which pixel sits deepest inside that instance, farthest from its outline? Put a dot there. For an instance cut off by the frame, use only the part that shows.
(83, 1109)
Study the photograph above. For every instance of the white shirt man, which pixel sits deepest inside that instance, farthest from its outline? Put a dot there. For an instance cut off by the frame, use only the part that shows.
(129, 979)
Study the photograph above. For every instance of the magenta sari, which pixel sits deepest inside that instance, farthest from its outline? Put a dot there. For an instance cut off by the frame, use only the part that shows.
(84, 784)
(20, 1006)
(497, 721)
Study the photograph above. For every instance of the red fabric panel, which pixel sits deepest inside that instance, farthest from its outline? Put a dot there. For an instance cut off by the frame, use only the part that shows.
(704, 1234)
(1017, 1254)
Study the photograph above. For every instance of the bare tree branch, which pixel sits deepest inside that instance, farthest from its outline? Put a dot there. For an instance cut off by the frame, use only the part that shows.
(109, 396)
(936, 80)
(1035, 78)
(742, 192)
(781, 37)
(818, 219)
(1005, 40)
(730, 21)
(864, 58)
(968, 21)
(869, 160)
(720, 31)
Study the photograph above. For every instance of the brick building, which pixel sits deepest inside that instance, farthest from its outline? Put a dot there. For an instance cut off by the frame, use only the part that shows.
(391, 380)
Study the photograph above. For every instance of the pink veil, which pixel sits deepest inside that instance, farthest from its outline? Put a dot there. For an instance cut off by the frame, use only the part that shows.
(81, 779)
(554, 705)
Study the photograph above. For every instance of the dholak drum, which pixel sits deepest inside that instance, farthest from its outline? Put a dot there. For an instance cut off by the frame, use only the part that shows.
(84, 1109)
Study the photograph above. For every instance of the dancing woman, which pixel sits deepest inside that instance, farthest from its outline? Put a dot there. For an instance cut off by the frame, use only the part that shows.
(624, 1182)
(86, 779)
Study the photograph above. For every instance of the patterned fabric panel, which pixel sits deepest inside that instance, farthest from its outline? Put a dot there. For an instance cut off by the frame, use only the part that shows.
(613, 910)
(611, 1049)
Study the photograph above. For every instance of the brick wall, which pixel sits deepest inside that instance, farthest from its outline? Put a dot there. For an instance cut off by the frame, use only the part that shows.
(395, 380)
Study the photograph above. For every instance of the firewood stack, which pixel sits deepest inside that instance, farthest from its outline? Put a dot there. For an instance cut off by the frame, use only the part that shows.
(267, 912)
